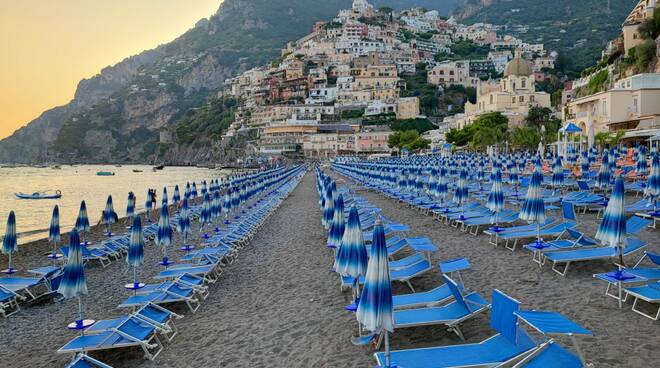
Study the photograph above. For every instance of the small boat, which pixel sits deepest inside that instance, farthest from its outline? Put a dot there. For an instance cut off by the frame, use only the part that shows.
(56, 167)
(159, 167)
(39, 195)
(105, 173)
(137, 170)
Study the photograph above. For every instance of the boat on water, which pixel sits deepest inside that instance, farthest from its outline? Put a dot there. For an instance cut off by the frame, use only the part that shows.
(137, 170)
(40, 195)
(105, 173)
(159, 167)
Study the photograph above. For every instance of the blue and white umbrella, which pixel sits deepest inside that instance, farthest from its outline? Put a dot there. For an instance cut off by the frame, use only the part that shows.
(82, 221)
(164, 233)
(193, 192)
(653, 186)
(149, 204)
(73, 283)
(533, 209)
(337, 225)
(375, 311)
(54, 232)
(443, 187)
(205, 215)
(496, 197)
(612, 229)
(136, 250)
(109, 216)
(584, 163)
(352, 256)
(184, 224)
(216, 208)
(461, 192)
(641, 167)
(186, 192)
(604, 175)
(329, 210)
(9, 241)
(226, 205)
(164, 199)
(557, 174)
(176, 197)
(130, 206)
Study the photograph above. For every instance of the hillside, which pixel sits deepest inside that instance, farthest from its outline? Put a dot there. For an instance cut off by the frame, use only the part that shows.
(567, 26)
(116, 115)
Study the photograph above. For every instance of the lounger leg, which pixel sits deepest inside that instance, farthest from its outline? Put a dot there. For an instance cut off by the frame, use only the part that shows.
(563, 273)
(410, 286)
(639, 311)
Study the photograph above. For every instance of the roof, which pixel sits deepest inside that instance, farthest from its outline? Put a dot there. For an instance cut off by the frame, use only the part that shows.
(571, 128)
(518, 66)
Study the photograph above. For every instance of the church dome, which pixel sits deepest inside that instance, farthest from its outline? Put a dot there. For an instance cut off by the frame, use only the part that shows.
(518, 66)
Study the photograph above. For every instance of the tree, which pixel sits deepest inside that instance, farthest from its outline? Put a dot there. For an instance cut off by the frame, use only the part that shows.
(419, 125)
(525, 137)
(400, 139)
(538, 116)
(650, 28)
(645, 53)
(418, 144)
(385, 10)
(602, 138)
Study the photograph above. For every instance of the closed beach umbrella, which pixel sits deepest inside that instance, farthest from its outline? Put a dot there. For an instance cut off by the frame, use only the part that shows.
(184, 223)
(216, 208)
(557, 174)
(612, 229)
(443, 188)
(533, 209)
(9, 241)
(109, 216)
(176, 197)
(641, 166)
(82, 221)
(604, 175)
(73, 283)
(54, 231)
(337, 226)
(205, 215)
(136, 249)
(352, 255)
(329, 210)
(461, 192)
(148, 204)
(375, 309)
(130, 205)
(164, 234)
(496, 196)
(584, 163)
(194, 190)
(226, 205)
(186, 192)
(164, 199)
(653, 185)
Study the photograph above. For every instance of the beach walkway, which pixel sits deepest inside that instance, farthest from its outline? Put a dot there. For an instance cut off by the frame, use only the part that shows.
(279, 305)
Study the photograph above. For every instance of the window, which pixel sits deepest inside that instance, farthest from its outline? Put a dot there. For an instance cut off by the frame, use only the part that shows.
(531, 98)
(513, 100)
(523, 83)
(491, 99)
(451, 72)
(521, 99)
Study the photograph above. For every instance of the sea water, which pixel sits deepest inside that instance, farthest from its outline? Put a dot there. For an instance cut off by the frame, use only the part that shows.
(81, 182)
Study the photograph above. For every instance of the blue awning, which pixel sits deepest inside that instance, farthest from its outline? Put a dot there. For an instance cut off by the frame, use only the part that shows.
(446, 146)
(571, 128)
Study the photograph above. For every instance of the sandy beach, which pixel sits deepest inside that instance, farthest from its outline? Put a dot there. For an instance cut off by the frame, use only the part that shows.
(279, 304)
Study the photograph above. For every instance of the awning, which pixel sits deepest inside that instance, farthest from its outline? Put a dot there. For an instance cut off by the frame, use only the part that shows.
(570, 128)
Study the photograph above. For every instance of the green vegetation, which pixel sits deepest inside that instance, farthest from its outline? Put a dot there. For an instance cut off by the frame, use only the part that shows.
(416, 85)
(275, 63)
(488, 129)
(352, 114)
(650, 28)
(408, 139)
(418, 125)
(208, 121)
(604, 139)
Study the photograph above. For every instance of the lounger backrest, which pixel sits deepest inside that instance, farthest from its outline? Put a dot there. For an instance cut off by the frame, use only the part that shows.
(636, 224)
(567, 211)
(582, 185)
(502, 317)
(455, 291)
(655, 258)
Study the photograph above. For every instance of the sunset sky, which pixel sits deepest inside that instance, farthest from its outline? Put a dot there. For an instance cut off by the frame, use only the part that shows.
(48, 46)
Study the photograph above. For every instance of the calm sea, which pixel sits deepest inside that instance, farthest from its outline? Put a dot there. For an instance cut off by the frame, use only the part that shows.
(81, 182)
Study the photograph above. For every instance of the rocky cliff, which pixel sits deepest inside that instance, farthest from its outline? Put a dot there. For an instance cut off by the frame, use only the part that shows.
(117, 115)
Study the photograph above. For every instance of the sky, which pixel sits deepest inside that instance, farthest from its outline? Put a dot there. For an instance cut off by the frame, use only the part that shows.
(47, 46)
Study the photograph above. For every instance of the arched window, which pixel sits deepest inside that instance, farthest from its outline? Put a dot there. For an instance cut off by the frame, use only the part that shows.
(523, 83)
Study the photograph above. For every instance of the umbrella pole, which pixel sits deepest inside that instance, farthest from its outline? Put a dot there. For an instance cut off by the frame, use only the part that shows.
(538, 232)
(80, 315)
(387, 350)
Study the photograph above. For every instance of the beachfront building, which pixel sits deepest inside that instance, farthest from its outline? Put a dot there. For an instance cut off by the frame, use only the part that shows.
(633, 106)
(332, 140)
(513, 95)
(286, 138)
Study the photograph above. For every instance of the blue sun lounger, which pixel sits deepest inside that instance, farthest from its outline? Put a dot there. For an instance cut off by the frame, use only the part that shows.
(26, 287)
(90, 254)
(8, 302)
(460, 309)
(437, 295)
(567, 257)
(509, 344)
(85, 361)
(568, 239)
(207, 272)
(151, 314)
(173, 294)
(131, 333)
(405, 275)
(547, 231)
(649, 293)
